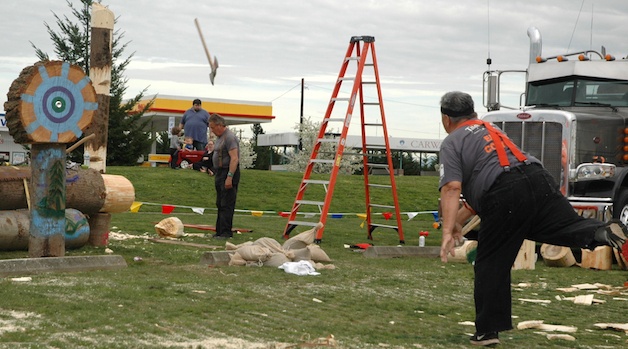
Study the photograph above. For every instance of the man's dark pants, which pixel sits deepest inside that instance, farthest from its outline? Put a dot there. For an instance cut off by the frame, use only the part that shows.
(524, 203)
(225, 201)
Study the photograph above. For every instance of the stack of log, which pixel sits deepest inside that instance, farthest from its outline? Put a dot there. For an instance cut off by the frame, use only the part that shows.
(90, 196)
(600, 258)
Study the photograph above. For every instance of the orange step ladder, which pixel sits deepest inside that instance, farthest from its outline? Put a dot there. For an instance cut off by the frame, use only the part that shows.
(361, 50)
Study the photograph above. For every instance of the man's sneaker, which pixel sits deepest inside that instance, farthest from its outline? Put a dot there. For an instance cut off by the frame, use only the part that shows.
(490, 338)
(613, 234)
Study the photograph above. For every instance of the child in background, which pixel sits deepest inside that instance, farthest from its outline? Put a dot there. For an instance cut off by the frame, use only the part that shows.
(174, 146)
(188, 144)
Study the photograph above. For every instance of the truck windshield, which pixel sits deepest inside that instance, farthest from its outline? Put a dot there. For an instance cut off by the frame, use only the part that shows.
(587, 92)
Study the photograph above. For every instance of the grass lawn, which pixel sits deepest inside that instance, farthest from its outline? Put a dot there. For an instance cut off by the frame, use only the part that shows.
(169, 300)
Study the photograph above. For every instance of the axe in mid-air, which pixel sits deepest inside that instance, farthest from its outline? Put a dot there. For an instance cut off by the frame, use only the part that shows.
(213, 63)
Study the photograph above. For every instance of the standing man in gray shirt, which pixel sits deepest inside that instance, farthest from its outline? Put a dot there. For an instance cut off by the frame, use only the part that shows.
(516, 199)
(226, 161)
(194, 124)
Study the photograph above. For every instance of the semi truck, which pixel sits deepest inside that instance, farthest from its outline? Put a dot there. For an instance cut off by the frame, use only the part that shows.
(571, 116)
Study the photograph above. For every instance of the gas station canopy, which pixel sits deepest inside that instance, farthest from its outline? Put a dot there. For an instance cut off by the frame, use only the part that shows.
(235, 112)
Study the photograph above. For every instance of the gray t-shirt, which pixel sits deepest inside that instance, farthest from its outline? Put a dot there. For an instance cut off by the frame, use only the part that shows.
(223, 144)
(467, 155)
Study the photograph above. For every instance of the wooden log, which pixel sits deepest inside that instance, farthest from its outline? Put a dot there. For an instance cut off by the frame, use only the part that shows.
(101, 60)
(557, 256)
(99, 224)
(47, 220)
(15, 226)
(85, 189)
(462, 252)
(526, 257)
(50, 102)
(599, 259)
(119, 194)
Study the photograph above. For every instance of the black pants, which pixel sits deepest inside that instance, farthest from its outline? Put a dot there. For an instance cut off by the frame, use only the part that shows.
(174, 156)
(225, 201)
(524, 203)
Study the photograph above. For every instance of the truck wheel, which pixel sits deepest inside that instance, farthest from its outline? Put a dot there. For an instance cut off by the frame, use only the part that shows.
(620, 209)
(184, 164)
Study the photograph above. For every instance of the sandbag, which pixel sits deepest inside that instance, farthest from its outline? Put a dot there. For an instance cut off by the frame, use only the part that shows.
(302, 254)
(277, 259)
(303, 239)
(317, 253)
(269, 243)
(236, 259)
(254, 253)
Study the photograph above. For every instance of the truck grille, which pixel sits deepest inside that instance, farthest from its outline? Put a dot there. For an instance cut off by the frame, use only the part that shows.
(541, 139)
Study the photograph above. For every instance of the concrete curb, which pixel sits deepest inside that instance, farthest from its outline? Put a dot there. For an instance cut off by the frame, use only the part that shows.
(24, 266)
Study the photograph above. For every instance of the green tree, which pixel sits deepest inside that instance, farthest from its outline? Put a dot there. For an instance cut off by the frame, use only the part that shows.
(127, 140)
(264, 154)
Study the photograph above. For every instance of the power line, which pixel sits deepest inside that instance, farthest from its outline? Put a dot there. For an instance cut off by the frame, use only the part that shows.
(283, 94)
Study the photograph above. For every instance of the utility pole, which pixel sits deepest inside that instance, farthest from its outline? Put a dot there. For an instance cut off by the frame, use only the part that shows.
(301, 117)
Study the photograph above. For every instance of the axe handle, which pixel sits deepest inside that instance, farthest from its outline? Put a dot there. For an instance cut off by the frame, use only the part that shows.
(474, 222)
(209, 57)
(81, 141)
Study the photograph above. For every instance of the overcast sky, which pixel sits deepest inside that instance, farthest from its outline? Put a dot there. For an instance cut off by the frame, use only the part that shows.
(424, 48)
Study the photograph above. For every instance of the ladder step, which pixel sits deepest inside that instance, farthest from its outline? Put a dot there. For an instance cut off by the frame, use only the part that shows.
(316, 181)
(308, 202)
(376, 146)
(377, 165)
(381, 206)
(384, 226)
(328, 140)
(369, 82)
(311, 224)
(349, 78)
(352, 58)
(340, 99)
(334, 119)
(380, 185)
(373, 124)
(371, 103)
(323, 161)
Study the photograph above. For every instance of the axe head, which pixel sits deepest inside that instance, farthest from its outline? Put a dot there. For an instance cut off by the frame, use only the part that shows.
(214, 67)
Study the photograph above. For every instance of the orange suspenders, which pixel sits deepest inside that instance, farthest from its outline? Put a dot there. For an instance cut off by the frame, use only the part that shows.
(499, 139)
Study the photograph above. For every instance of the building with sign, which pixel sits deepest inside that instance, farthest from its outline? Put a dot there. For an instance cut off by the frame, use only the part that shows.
(10, 152)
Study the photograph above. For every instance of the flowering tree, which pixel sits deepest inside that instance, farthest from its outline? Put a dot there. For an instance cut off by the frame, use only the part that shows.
(308, 132)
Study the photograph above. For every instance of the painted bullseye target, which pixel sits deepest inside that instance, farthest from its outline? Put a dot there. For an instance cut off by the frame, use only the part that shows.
(56, 104)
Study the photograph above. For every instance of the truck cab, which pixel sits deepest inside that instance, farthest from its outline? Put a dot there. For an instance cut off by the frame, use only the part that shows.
(572, 117)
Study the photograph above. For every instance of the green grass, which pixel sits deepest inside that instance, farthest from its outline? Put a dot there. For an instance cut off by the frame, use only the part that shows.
(169, 300)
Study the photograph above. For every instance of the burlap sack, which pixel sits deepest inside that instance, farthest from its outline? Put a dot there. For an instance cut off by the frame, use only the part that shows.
(254, 253)
(302, 254)
(269, 243)
(302, 239)
(171, 227)
(236, 259)
(277, 259)
(318, 255)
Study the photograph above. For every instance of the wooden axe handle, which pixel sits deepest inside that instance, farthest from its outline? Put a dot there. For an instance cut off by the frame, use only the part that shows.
(81, 141)
(209, 57)
(474, 222)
